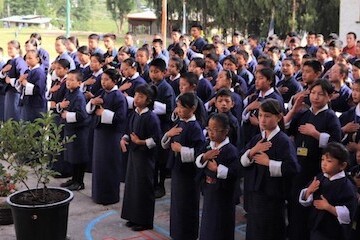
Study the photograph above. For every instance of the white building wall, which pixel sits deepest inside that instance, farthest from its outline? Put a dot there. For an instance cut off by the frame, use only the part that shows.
(349, 18)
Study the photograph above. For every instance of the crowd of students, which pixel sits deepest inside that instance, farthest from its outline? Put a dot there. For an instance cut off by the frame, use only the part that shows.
(284, 119)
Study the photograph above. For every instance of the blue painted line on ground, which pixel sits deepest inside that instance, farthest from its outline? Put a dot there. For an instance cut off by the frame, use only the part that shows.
(162, 231)
(94, 221)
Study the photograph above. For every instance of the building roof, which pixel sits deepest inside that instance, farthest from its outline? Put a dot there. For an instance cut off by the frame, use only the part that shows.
(149, 15)
(33, 19)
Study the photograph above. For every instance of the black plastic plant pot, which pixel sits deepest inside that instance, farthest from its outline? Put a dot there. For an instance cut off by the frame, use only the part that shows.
(41, 222)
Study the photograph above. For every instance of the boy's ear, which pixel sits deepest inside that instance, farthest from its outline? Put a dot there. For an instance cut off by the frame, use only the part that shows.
(343, 165)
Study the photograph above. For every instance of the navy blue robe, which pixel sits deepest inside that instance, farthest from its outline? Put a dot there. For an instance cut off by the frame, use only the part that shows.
(198, 44)
(139, 198)
(293, 88)
(106, 151)
(174, 84)
(134, 83)
(218, 214)
(45, 59)
(341, 103)
(185, 190)
(204, 90)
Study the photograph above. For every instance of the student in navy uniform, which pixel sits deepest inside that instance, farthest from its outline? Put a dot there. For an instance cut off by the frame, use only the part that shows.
(142, 136)
(332, 196)
(255, 46)
(110, 55)
(355, 174)
(33, 88)
(235, 40)
(298, 54)
(288, 86)
(340, 101)
(123, 54)
(93, 44)
(60, 47)
(157, 50)
(72, 45)
(185, 140)
(240, 85)
(211, 72)
(129, 42)
(335, 48)
(269, 163)
(142, 58)
(163, 107)
(198, 43)
(83, 55)
(75, 118)
(204, 88)
(109, 108)
(311, 47)
(175, 37)
(274, 54)
(220, 165)
(92, 85)
(132, 77)
(44, 55)
(177, 51)
(11, 72)
(264, 84)
(312, 129)
(174, 67)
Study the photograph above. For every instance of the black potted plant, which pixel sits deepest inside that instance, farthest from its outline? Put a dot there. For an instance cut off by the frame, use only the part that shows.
(41, 212)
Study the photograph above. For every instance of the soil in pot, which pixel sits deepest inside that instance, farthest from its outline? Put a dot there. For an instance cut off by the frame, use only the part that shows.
(37, 197)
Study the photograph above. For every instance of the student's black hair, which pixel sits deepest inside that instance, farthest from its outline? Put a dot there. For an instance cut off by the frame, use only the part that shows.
(315, 65)
(84, 50)
(178, 50)
(94, 36)
(312, 33)
(33, 42)
(352, 33)
(188, 100)
(64, 63)
(74, 40)
(302, 50)
(213, 56)
(1, 49)
(199, 62)
(336, 44)
(243, 53)
(221, 118)
(324, 84)
(99, 57)
(62, 39)
(324, 48)
(266, 63)
(131, 62)
(36, 52)
(224, 92)
(209, 47)
(159, 64)
(274, 49)
(191, 78)
(110, 35)
(291, 60)
(337, 151)
(125, 49)
(150, 91)
(197, 25)
(232, 59)
(357, 63)
(178, 62)
(269, 74)
(158, 40)
(357, 81)
(272, 106)
(78, 74)
(344, 70)
(176, 30)
(36, 36)
(253, 37)
(113, 74)
(231, 76)
(347, 57)
(145, 50)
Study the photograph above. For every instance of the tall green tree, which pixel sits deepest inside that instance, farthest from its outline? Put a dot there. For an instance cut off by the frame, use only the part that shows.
(118, 10)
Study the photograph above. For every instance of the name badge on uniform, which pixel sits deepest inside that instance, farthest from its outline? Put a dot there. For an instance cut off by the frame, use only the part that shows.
(302, 151)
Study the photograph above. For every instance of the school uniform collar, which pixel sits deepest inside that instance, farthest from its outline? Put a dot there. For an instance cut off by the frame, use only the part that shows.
(326, 107)
(63, 79)
(176, 77)
(201, 76)
(85, 66)
(115, 88)
(357, 110)
(36, 66)
(135, 76)
(96, 74)
(223, 143)
(336, 176)
(272, 134)
(145, 110)
(268, 92)
(193, 118)
(16, 56)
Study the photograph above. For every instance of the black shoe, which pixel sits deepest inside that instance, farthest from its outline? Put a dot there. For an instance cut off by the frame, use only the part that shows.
(138, 228)
(67, 183)
(130, 224)
(76, 186)
(159, 191)
(63, 175)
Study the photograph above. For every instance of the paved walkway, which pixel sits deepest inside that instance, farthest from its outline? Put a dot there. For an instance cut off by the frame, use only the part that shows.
(90, 221)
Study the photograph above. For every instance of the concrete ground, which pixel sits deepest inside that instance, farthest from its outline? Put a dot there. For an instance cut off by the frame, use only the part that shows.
(90, 221)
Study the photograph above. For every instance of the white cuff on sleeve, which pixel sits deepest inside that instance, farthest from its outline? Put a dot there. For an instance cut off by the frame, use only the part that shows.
(165, 141)
(71, 117)
(12, 81)
(245, 160)
(159, 108)
(323, 140)
(343, 214)
(58, 108)
(90, 108)
(187, 154)
(303, 201)
(275, 168)
(245, 115)
(207, 107)
(107, 116)
(130, 101)
(126, 137)
(3, 75)
(222, 172)
(198, 161)
(150, 143)
(29, 89)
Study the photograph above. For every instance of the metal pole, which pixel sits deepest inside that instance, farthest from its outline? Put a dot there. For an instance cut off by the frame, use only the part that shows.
(184, 18)
(164, 21)
(68, 24)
